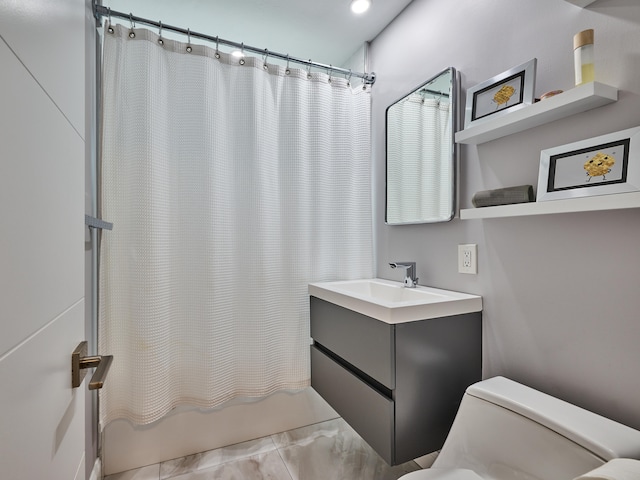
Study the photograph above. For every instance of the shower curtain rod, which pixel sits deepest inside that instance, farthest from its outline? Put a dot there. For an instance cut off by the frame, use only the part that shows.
(102, 11)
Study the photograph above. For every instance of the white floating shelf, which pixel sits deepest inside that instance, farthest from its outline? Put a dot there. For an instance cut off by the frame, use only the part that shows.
(577, 100)
(584, 204)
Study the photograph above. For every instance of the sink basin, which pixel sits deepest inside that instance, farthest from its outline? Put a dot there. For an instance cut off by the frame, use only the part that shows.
(391, 302)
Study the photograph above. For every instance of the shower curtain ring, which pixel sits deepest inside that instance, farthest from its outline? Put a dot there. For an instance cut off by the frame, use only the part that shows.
(330, 71)
(349, 79)
(217, 55)
(287, 71)
(309, 70)
(160, 40)
(189, 49)
(241, 62)
(132, 34)
(109, 28)
(266, 57)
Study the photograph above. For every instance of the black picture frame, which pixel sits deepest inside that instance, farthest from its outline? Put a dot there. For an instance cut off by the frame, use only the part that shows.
(584, 155)
(602, 165)
(501, 94)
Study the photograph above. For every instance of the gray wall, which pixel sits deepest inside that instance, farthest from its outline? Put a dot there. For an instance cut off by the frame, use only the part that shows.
(561, 292)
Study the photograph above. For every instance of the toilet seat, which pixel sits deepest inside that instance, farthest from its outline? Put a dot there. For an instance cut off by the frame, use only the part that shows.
(442, 474)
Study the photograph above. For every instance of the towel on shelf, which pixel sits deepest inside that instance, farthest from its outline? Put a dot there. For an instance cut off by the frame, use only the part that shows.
(616, 469)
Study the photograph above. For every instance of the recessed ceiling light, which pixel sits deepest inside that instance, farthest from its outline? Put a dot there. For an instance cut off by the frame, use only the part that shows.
(360, 6)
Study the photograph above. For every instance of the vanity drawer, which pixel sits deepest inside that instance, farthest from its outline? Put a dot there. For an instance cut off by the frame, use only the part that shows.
(368, 412)
(364, 342)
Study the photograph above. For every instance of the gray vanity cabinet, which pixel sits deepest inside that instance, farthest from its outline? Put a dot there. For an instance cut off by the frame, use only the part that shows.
(398, 385)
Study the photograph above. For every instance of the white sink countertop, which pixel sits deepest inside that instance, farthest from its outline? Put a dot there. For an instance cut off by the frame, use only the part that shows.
(391, 302)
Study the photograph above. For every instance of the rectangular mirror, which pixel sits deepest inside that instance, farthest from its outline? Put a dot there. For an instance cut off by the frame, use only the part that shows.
(421, 153)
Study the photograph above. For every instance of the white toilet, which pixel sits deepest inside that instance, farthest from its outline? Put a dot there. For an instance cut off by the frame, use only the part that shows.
(506, 431)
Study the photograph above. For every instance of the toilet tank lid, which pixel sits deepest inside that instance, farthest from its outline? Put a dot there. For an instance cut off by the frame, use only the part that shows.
(603, 437)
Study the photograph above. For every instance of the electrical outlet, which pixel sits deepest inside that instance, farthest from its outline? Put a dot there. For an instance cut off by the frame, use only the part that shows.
(468, 258)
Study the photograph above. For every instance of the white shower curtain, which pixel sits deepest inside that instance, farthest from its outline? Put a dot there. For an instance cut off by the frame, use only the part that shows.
(418, 181)
(231, 187)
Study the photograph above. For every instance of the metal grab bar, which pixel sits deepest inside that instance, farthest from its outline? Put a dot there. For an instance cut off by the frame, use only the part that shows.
(80, 362)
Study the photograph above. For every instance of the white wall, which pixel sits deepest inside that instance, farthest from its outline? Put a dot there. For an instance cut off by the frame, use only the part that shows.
(41, 237)
(560, 292)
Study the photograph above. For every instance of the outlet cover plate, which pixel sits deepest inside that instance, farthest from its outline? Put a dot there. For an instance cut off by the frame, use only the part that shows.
(468, 258)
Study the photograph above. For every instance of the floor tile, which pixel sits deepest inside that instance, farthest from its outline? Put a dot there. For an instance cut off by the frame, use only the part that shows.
(329, 450)
(427, 460)
(266, 466)
(305, 435)
(332, 450)
(152, 472)
(212, 458)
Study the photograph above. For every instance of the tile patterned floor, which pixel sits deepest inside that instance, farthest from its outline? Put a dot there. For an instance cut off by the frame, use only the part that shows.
(326, 451)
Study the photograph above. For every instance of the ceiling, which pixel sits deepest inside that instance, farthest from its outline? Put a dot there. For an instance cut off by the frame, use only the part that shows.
(324, 31)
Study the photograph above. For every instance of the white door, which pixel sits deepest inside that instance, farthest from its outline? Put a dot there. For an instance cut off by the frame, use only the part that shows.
(42, 150)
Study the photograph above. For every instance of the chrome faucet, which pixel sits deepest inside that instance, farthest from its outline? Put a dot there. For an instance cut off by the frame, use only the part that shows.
(410, 279)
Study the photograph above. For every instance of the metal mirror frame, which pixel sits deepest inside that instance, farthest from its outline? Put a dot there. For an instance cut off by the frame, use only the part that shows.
(454, 92)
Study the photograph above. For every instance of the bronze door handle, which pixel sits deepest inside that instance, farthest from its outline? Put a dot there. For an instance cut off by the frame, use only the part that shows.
(80, 361)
